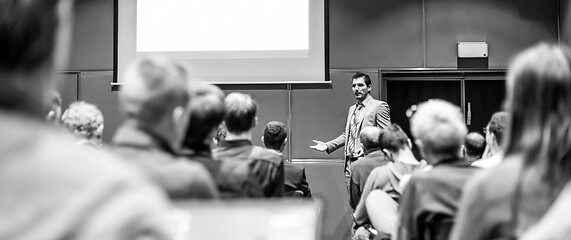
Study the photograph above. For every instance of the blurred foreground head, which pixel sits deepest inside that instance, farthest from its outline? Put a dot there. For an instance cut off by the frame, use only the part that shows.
(34, 41)
(538, 102)
(439, 130)
(154, 96)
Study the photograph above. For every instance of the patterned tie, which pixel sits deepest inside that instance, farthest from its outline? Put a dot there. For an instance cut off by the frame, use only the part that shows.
(354, 130)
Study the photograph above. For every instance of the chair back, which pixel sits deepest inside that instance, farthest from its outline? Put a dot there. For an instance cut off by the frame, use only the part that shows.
(435, 226)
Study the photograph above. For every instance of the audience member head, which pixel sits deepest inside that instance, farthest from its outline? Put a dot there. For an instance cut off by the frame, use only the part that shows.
(154, 96)
(220, 133)
(206, 109)
(85, 121)
(275, 136)
(538, 102)
(54, 108)
(396, 145)
(369, 137)
(240, 113)
(439, 130)
(495, 130)
(394, 139)
(474, 146)
(34, 41)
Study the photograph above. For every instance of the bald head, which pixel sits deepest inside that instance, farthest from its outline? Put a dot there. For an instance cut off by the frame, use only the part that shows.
(370, 138)
(475, 144)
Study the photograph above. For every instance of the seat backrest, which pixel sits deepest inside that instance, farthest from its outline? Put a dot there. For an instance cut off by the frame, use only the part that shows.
(435, 226)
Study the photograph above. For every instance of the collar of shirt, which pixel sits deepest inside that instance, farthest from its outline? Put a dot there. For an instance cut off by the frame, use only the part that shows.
(365, 102)
(234, 143)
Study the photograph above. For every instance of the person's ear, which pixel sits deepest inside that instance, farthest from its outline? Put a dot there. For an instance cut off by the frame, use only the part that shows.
(388, 154)
(494, 139)
(255, 123)
(419, 144)
(262, 138)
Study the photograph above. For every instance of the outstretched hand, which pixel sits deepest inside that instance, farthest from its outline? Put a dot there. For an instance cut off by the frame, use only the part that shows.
(319, 146)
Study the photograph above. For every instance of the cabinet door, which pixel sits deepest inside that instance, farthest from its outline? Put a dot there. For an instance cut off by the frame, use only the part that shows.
(483, 98)
(401, 94)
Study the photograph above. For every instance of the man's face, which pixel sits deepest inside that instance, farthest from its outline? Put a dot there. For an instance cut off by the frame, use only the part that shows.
(360, 88)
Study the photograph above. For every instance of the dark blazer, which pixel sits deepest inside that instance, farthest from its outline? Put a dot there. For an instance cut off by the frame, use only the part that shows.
(265, 165)
(360, 171)
(179, 178)
(376, 113)
(295, 180)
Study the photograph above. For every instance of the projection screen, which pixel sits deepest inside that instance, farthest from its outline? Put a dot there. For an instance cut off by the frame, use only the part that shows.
(228, 41)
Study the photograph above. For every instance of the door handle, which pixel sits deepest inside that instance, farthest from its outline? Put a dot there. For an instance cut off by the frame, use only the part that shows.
(469, 114)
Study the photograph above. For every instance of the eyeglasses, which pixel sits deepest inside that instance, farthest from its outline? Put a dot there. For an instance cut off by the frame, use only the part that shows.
(411, 111)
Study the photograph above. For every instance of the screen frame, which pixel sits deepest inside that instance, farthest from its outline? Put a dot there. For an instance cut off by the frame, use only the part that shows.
(115, 83)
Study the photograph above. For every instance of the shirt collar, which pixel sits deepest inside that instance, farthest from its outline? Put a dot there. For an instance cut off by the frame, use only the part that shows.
(367, 100)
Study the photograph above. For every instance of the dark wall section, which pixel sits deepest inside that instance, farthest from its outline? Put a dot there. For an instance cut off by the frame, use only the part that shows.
(368, 34)
(565, 21)
(93, 36)
(507, 26)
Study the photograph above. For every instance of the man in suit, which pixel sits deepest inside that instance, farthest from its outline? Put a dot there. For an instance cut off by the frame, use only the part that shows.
(265, 166)
(50, 188)
(153, 99)
(275, 138)
(366, 112)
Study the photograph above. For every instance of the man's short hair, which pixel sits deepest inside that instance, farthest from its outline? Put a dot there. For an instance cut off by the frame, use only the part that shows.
(220, 132)
(207, 111)
(275, 134)
(498, 124)
(240, 112)
(475, 144)
(364, 76)
(153, 87)
(393, 138)
(28, 34)
(83, 120)
(369, 137)
(439, 125)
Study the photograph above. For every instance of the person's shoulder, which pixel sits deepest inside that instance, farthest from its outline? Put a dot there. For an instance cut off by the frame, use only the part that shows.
(264, 154)
(293, 167)
(500, 178)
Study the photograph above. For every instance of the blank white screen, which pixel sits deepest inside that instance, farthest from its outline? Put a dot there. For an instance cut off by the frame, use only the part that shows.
(228, 41)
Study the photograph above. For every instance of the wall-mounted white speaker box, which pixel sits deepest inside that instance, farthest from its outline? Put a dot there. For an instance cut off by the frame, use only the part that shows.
(472, 49)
